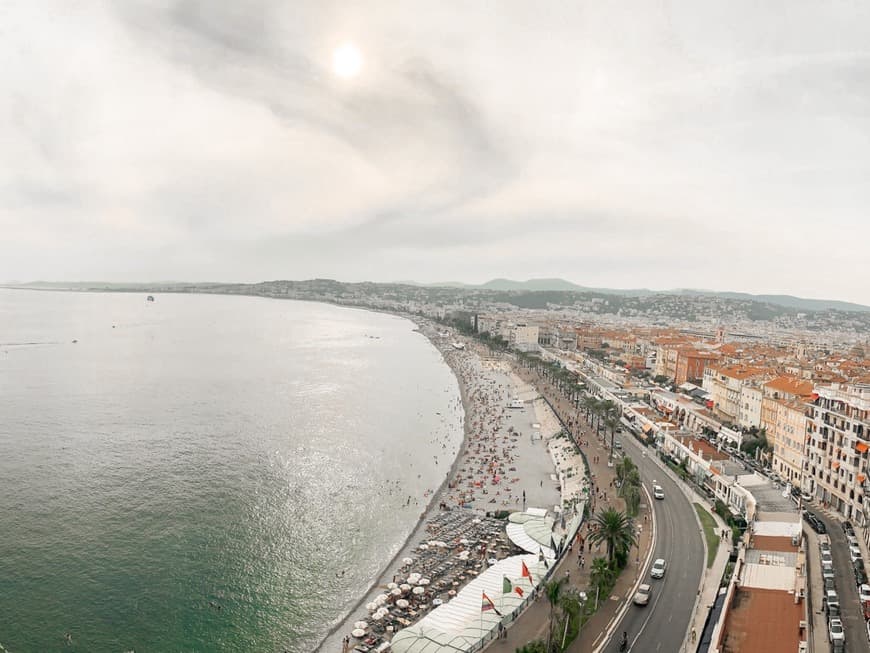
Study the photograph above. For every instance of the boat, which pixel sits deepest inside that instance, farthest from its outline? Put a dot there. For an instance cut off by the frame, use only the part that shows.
(150, 298)
(458, 345)
(516, 403)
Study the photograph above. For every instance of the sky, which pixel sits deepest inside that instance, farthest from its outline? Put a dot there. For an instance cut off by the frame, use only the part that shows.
(625, 144)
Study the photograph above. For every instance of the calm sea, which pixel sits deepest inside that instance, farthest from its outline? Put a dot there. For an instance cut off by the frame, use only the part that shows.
(206, 473)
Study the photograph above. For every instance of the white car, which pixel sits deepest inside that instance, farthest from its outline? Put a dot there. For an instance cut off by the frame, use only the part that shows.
(835, 629)
(826, 556)
(641, 597)
(854, 553)
(658, 492)
(658, 569)
(864, 593)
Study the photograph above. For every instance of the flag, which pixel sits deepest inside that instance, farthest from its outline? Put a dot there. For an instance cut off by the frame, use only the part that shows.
(508, 587)
(526, 573)
(542, 559)
(487, 604)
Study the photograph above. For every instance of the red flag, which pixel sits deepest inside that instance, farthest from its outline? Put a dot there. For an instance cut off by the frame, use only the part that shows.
(487, 604)
(526, 573)
(518, 590)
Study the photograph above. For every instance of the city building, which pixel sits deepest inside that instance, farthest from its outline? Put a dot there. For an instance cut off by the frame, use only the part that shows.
(838, 440)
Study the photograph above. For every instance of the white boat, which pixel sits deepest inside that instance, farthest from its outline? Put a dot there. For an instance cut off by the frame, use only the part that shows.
(516, 403)
(458, 345)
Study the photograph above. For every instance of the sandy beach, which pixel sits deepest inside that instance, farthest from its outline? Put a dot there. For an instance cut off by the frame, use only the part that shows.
(504, 464)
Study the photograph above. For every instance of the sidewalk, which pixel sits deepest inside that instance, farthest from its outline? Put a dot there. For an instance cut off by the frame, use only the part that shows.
(532, 624)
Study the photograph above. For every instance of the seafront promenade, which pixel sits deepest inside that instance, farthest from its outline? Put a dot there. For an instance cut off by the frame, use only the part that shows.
(533, 623)
(503, 465)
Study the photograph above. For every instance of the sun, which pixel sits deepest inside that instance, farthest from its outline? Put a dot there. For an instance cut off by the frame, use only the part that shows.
(347, 61)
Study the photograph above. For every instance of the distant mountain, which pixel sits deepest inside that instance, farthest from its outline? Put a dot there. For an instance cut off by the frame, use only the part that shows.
(788, 301)
(533, 285)
(561, 285)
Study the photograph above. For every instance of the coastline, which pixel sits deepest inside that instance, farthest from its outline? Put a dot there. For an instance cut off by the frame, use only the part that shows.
(331, 637)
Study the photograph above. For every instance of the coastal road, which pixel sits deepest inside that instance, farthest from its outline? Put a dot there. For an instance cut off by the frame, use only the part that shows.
(661, 625)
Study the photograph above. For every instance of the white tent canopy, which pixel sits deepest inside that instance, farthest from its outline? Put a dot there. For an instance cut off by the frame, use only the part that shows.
(461, 624)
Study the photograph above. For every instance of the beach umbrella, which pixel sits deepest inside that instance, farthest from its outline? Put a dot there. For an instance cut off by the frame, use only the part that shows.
(418, 590)
(404, 587)
(402, 603)
(423, 547)
(371, 606)
(359, 633)
(361, 624)
(396, 591)
(380, 599)
(424, 581)
(432, 542)
(407, 561)
(391, 586)
(377, 616)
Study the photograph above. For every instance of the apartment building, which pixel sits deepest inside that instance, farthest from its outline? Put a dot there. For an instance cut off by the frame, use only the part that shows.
(725, 384)
(524, 337)
(749, 406)
(838, 440)
(787, 438)
(785, 387)
(691, 363)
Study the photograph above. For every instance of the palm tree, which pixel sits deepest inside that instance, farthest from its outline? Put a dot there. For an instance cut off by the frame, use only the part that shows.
(631, 493)
(599, 575)
(615, 529)
(553, 591)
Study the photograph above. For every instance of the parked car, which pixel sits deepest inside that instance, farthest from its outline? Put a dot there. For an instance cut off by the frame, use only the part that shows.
(658, 569)
(826, 556)
(864, 592)
(830, 598)
(828, 584)
(641, 597)
(860, 574)
(838, 646)
(847, 528)
(854, 553)
(828, 571)
(835, 630)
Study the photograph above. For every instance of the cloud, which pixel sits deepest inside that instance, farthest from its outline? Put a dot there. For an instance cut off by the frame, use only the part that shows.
(611, 143)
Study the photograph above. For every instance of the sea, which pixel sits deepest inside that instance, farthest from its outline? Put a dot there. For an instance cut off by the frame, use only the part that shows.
(206, 472)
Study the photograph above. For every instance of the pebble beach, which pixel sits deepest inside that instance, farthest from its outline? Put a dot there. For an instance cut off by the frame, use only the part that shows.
(511, 459)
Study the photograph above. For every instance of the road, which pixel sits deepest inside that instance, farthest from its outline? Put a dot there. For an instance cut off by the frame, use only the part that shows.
(661, 625)
(847, 591)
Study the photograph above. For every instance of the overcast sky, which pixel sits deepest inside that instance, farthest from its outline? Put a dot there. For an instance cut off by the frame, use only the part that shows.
(656, 144)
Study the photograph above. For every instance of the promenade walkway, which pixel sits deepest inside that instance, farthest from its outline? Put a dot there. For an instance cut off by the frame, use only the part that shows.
(532, 624)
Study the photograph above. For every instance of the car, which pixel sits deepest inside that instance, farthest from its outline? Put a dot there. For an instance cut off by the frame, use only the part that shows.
(641, 596)
(831, 599)
(658, 492)
(828, 571)
(806, 497)
(847, 528)
(860, 576)
(838, 646)
(617, 444)
(826, 556)
(658, 569)
(833, 611)
(854, 553)
(864, 592)
(828, 584)
(835, 630)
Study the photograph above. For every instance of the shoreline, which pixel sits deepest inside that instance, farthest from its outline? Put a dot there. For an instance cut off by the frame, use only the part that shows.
(431, 508)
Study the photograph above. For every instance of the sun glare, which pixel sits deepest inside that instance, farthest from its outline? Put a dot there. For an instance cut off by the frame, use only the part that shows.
(347, 61)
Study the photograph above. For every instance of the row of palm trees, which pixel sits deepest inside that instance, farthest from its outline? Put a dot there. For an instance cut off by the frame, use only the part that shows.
(616, 531)
(600, 414)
